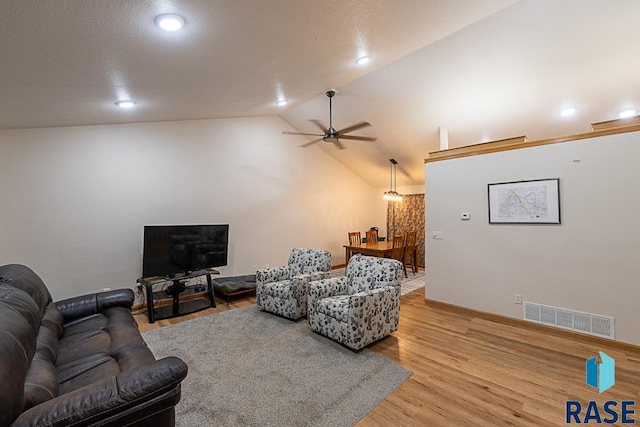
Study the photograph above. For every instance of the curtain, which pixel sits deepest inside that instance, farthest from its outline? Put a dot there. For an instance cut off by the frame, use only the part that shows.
(406, 216)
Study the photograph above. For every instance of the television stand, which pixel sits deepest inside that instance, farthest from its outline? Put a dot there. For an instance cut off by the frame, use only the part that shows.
(176, 287)
(185, 299)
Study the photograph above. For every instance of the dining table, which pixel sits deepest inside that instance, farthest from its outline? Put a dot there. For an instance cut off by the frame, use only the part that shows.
(380, 249)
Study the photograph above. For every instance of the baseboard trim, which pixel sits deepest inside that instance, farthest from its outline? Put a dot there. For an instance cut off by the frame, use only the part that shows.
(510, 321)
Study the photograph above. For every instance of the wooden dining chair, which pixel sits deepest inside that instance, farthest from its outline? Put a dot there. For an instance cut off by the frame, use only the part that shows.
(372, 236)
(354, 238)
(410, 250)
(398, 249)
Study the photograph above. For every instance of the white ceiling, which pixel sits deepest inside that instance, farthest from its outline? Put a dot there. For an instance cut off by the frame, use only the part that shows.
(484, 69)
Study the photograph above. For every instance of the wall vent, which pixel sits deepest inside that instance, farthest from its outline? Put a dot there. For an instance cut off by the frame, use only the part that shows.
(578, 321)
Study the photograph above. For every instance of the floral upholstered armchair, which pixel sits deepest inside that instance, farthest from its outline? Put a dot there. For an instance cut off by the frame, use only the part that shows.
(361, 307)
(283, 290)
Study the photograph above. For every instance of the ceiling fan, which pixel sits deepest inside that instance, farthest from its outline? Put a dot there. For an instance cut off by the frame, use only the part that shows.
(330, 134)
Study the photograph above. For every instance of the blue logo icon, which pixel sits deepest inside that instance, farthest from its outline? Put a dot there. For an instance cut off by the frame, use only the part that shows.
(601, 375)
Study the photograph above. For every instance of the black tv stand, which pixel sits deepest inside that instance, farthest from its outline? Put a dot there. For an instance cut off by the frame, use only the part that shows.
(184, 299)
(177, 287)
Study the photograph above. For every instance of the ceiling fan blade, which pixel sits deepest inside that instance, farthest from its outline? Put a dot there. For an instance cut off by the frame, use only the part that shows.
(297, 133)
(354, 127)
(359, 138)
(311, 143)
(322, 127)
(339, 144)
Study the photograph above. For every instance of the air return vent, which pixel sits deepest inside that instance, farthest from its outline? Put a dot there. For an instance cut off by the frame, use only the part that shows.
(578, 321)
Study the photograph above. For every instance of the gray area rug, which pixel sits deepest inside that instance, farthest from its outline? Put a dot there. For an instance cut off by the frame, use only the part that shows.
(251, 368)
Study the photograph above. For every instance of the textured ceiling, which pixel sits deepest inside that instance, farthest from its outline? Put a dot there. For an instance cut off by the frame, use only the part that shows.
(507, 75)
(484, 69)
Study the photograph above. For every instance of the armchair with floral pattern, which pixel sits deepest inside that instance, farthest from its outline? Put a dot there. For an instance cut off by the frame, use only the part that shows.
(283, 290)
(361, 307)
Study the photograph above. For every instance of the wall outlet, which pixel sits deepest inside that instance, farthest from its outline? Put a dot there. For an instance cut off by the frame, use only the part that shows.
(517, 298)
(437, 235)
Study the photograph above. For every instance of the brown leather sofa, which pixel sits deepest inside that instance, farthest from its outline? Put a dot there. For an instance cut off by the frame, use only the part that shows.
(78, 362)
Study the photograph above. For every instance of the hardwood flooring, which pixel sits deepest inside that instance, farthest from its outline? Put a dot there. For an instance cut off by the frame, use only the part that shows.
(472, 371)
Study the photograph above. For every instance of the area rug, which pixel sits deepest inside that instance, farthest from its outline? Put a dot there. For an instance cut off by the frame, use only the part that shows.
(251, 368)
(409, 284)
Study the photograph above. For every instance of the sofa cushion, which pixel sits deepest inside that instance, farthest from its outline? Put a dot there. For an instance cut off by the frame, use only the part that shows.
(78, 347)
(53, 319)
(99, 346)
(47, 344)
(88, 371)
(41, 383)
(81, 327)
(336, 307)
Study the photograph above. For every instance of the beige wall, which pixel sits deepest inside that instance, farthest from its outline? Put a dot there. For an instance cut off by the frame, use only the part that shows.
(591, 262)
(75, 199)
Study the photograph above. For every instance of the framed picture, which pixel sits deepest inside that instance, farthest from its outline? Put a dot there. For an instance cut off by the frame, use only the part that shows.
(525, 202)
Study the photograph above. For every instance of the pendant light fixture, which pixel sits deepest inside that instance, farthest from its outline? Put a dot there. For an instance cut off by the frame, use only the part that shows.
(392, 195)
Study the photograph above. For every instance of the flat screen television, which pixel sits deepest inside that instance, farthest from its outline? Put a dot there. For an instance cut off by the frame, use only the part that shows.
(174, 250)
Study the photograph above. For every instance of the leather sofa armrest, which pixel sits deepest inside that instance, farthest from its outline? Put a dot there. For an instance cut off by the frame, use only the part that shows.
(86, 305)
(115, 398)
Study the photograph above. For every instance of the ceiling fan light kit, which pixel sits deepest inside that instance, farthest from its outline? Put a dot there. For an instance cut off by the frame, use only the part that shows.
(392, 195)
(329, 133)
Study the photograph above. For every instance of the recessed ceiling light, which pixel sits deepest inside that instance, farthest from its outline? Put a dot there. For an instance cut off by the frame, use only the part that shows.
(125, 104)
(566, 112)
(281, 103)
(169, 22)
(627, 113)
(362, 60)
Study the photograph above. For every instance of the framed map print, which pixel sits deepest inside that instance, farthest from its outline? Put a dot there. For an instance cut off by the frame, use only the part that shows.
(525, 202)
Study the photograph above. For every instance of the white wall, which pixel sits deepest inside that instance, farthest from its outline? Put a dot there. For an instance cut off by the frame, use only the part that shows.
(591, 262)
(75, 199)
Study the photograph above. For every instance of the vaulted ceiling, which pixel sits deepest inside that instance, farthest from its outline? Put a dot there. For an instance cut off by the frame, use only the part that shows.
(481, 69)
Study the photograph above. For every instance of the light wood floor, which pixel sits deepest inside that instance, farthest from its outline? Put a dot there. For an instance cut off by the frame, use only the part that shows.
(471, 371)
